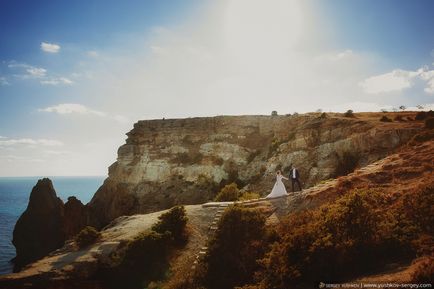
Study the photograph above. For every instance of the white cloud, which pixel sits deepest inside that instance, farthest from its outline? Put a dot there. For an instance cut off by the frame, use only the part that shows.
(50, 47)
(36, 72)
(28, 71)
(71, 108)
(30, 141)
(57, 81)
(68, 108)
(398, 80)
(3, 81)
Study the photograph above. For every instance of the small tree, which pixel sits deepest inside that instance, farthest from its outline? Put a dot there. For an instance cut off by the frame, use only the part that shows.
(349, 113)
(274, 113)
(402, 107)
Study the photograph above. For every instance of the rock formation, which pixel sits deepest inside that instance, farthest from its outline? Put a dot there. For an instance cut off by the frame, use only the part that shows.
(75, 217)
(39, 229)
(186, 161)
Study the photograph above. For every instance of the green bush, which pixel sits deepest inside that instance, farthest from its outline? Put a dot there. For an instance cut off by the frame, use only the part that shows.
(429, 123)
(228, 193)
(174, 222)
(349, 113)
(87, 236)
(238, 242)
(145, 259)
(385, 119)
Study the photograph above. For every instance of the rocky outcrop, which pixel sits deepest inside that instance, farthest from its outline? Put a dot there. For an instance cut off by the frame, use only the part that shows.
(186, 161)
(39, 231)
(76, 217)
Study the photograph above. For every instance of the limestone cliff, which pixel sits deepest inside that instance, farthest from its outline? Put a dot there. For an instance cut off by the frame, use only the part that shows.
(186, 161)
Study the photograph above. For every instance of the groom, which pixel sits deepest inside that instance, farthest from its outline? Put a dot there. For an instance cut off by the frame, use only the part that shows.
(294, 176)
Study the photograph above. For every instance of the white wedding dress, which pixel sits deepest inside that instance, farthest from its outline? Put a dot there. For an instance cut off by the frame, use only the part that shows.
(278, 189)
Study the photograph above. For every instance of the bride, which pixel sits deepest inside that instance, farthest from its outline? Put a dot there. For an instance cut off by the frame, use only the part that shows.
(279, 188)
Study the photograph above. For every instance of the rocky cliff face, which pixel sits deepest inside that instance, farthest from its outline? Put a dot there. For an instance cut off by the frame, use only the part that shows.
(39, 229)
(186, 161)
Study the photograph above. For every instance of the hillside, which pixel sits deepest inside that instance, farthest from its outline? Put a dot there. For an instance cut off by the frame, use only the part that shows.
(169, 162)
(396, 177)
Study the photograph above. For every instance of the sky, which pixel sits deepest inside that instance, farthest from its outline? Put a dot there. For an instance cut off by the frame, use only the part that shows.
(76, 75)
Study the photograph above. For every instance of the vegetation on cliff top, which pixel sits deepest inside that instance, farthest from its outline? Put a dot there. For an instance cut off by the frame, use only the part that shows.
(364, 225)
(146, 257)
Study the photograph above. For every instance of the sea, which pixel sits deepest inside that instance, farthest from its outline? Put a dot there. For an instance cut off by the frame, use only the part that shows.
(14, 196)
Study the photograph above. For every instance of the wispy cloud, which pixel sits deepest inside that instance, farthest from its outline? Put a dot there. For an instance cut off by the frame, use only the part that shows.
(50, 47)
(398, 80)
(76, 108)
(69, 108)
(28, 71)
(15, 158)
(4, 141)
(3, 81)
(57, 81)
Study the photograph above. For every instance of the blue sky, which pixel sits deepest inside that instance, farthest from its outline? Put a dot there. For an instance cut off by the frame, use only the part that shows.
(75, 75)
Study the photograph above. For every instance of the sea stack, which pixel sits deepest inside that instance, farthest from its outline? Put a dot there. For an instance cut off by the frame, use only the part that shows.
(39, 231)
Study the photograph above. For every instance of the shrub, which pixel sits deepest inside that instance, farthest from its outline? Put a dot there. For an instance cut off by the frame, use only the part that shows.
(429, 123)
(188, 158)
(399, 118)
(228, 193)
(347, 163)
(174, 222)
(424, 272)
(237, 244)
(248, 196)
(87, 236)
(323, 244)
(349, 113)
(422, 115)
(144, 259)
(323, 115)
(419, 209)
(274, 113)
(385, 119)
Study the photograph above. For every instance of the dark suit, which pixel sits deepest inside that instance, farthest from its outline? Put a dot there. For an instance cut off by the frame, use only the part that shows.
(295, 179)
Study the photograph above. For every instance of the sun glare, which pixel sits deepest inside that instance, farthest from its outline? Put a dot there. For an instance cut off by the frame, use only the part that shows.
(258, 27)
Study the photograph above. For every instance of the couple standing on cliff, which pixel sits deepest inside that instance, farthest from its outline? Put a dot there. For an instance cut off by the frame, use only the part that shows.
(279, 188)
